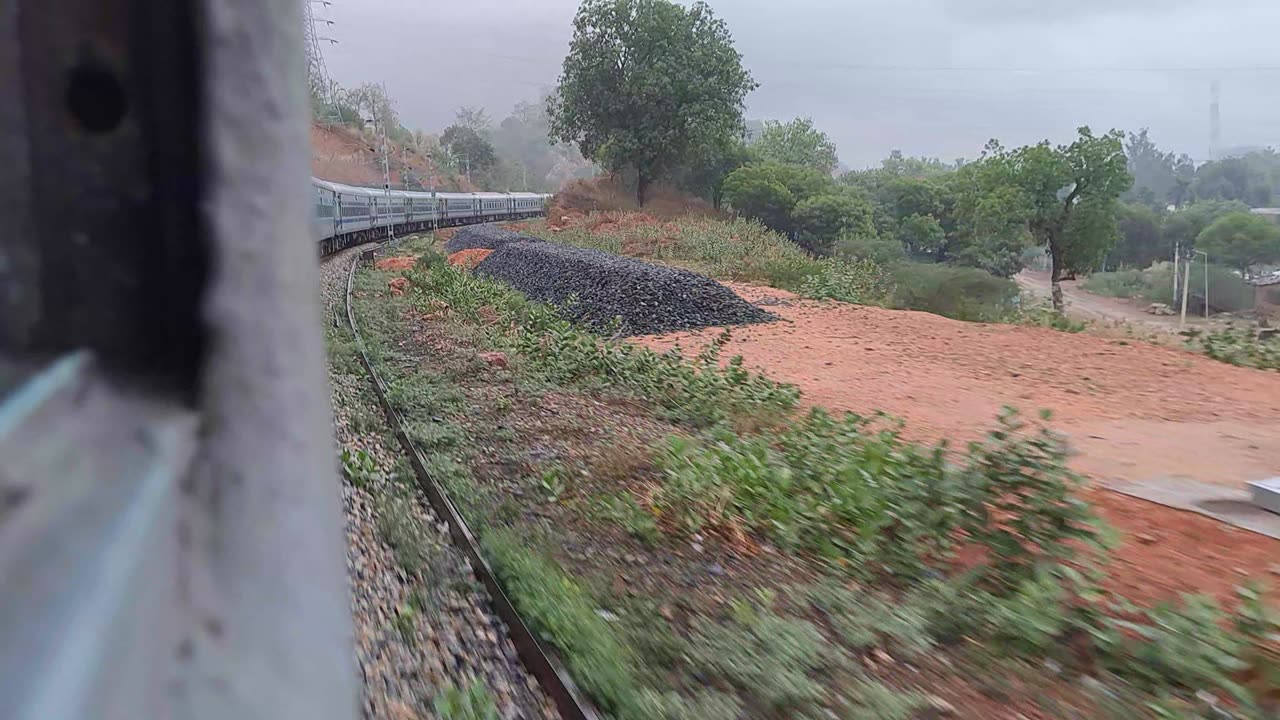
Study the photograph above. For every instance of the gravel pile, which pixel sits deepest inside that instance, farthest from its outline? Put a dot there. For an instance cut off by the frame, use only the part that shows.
(414, 636)
(487, 237)
(646, 299)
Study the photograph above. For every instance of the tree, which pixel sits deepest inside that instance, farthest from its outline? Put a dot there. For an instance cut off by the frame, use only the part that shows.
(1155, 175)
(1241, 240)
(898, 165)
(469, 150)
(1068, 196)
(645, 82)
(921, 235)
(769, 192)
(823, 220)
(990, 217)
(474, 118)
(705, 171)
(1141, 242)
(797, 143)
(1183, 227)
(1236, 178)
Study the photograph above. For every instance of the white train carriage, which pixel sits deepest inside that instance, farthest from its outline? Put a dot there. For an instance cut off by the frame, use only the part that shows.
(422, 207)
(357, 209)
(345, 215)
(524, 204)
(493, 205)
(324, 215)
(459, 208)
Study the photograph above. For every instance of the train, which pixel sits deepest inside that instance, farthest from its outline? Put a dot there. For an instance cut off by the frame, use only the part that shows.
(346, 215)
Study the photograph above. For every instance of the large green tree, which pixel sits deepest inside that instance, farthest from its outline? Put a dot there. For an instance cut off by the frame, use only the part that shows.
(1141, 241)
(1241, 240)
(703, 171)
(1155, 174)
(770, 192)
(797, 143)
(1247, 179)
(1181, 228)
(1066, 194)
(468, 149)
(821, 221)
(646, 82)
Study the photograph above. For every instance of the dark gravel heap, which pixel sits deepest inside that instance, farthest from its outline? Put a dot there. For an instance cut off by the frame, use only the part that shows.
(646, 299)
(486, 237)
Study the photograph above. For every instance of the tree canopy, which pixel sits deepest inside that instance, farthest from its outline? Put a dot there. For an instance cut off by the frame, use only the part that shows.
(1241, 240)
(797, 143)
(1066, 195)
(770, 192)
(468, 148)
(645, 82)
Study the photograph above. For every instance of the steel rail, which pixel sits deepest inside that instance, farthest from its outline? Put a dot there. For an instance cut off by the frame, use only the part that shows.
(550, 675)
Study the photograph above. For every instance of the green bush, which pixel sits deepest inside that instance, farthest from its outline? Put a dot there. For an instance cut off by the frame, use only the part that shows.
(1238, 346)
(960, 293)
(1120, 284)
(1228, 292)
(854, 281)
(877, 248)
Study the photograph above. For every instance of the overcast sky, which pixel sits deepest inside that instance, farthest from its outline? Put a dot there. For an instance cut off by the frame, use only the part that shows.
(929, 77)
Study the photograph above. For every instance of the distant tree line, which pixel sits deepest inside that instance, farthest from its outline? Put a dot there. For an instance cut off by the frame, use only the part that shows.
(515, 154)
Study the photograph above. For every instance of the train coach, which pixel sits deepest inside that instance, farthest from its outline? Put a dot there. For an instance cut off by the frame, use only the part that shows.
(345, 215)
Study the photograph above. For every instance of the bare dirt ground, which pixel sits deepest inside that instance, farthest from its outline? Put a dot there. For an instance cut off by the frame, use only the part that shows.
(1132, 410)
(341, 154)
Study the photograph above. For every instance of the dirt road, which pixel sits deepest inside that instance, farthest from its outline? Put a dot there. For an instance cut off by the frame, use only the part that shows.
(1083, 305)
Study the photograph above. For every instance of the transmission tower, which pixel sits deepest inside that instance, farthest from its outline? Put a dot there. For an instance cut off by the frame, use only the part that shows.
(317, 73)
(1215, 119)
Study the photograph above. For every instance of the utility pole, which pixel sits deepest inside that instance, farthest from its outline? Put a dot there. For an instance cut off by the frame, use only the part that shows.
(1186, 286)
(1177, 251)
(386, 161)
(1206, 282)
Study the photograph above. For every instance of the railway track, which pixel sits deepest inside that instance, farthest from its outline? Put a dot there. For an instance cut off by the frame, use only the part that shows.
(478, 633)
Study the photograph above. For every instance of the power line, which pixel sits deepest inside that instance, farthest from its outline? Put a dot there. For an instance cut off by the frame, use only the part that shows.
(1043, 70)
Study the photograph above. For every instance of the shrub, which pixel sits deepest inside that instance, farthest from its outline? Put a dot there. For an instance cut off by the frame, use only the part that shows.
(877, 248)
(1228, 292)
(854, 281)
(959, 293)
(861, 496)
(1238, 346)
(1020, 502)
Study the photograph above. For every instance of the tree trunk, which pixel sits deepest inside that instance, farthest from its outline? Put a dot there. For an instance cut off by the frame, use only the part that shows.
(1055, 276)
(642, 188)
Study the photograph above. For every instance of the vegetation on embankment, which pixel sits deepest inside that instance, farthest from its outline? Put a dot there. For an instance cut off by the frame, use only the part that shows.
(696, 549)
(740, 250)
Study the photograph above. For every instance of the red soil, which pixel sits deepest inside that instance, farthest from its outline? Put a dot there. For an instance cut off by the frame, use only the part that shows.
(1132, 410)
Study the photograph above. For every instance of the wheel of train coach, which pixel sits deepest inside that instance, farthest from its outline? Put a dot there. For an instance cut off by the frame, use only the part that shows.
(346, 215)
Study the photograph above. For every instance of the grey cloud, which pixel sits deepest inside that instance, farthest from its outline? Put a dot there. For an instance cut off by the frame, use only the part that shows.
(929, 77)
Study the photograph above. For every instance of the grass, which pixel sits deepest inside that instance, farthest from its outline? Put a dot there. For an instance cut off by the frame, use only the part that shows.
(919, 551)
